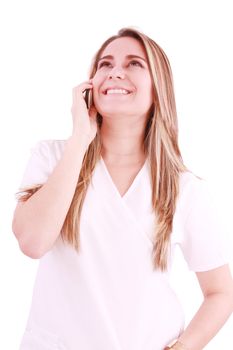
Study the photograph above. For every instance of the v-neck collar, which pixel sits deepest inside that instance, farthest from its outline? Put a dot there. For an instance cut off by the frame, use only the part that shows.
(133, 184)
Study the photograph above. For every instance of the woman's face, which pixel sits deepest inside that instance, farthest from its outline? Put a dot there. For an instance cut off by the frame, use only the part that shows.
(122, 83)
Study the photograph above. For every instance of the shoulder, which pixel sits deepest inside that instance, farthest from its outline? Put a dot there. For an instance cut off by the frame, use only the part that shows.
(191, 183)
(53, 146)
(44, 155)
(193, 191)
(50, 149)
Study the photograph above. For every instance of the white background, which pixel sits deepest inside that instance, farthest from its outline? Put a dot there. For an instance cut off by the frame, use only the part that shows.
(46, 49)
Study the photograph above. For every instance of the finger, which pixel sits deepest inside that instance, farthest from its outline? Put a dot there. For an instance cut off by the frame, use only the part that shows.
(81, 88)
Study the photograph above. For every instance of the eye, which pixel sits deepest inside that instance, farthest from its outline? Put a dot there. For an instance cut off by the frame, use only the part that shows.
(104, 64)
(135, 63)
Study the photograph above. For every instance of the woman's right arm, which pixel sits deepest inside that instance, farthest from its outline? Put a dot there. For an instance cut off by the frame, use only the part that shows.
(38, 221)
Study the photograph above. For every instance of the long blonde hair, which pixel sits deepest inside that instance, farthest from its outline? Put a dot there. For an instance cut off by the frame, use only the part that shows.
(160, 145)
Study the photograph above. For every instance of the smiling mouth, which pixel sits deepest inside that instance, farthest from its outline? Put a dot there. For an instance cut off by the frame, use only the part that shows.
(116, 92)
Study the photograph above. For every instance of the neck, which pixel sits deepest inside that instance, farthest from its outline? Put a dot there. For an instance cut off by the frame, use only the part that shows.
(122, 144)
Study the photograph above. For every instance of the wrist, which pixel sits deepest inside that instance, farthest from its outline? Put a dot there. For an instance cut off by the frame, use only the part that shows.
(78, 141)
(176, 345)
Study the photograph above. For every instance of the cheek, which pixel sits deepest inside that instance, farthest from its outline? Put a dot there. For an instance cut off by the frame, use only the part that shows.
(96, 81)
(151, 93)
(149, 88)
(146, 89)
(98, 77)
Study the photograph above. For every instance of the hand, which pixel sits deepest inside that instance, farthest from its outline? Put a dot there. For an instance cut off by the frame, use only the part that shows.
(176, 346)
(84, 120)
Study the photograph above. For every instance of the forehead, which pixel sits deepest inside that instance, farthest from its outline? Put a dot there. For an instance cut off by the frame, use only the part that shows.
(123, 47)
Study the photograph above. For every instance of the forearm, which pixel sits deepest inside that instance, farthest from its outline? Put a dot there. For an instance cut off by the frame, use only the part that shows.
(38, 221)
(211, 316)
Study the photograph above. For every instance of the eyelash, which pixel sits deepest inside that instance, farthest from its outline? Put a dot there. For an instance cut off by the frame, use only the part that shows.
(102, 64)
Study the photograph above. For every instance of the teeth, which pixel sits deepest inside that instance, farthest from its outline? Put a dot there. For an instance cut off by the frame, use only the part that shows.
(117, 91)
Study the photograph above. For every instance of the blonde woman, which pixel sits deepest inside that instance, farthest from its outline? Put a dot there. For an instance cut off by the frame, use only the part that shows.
(105, 209)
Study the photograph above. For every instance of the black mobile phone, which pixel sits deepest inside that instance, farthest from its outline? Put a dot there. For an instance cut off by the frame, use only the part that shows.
(88, 98)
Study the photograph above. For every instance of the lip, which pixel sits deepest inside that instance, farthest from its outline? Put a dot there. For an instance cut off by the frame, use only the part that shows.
(104, 91)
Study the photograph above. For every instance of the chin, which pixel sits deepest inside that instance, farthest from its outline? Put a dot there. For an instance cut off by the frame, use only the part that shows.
(113, 113)
(114, 110)
(120, 110)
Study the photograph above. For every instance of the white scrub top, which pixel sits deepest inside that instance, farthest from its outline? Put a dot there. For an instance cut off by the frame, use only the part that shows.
(108, 297)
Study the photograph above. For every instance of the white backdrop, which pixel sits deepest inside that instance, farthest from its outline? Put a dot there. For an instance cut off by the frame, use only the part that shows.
(46, 49)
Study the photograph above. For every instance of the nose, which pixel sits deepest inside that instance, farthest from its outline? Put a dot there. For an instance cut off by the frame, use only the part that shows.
(116, 72)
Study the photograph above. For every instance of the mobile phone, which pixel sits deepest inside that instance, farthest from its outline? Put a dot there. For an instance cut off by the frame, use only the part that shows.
(88, 98)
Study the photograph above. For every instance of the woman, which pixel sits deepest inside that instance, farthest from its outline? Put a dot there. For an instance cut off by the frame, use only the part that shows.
(105, 209)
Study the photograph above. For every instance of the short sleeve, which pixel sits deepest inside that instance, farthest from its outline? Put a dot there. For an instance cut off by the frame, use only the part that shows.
(205, 243)
(38, 166)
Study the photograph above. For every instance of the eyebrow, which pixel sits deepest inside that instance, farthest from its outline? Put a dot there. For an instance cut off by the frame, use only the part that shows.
(110, 57)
